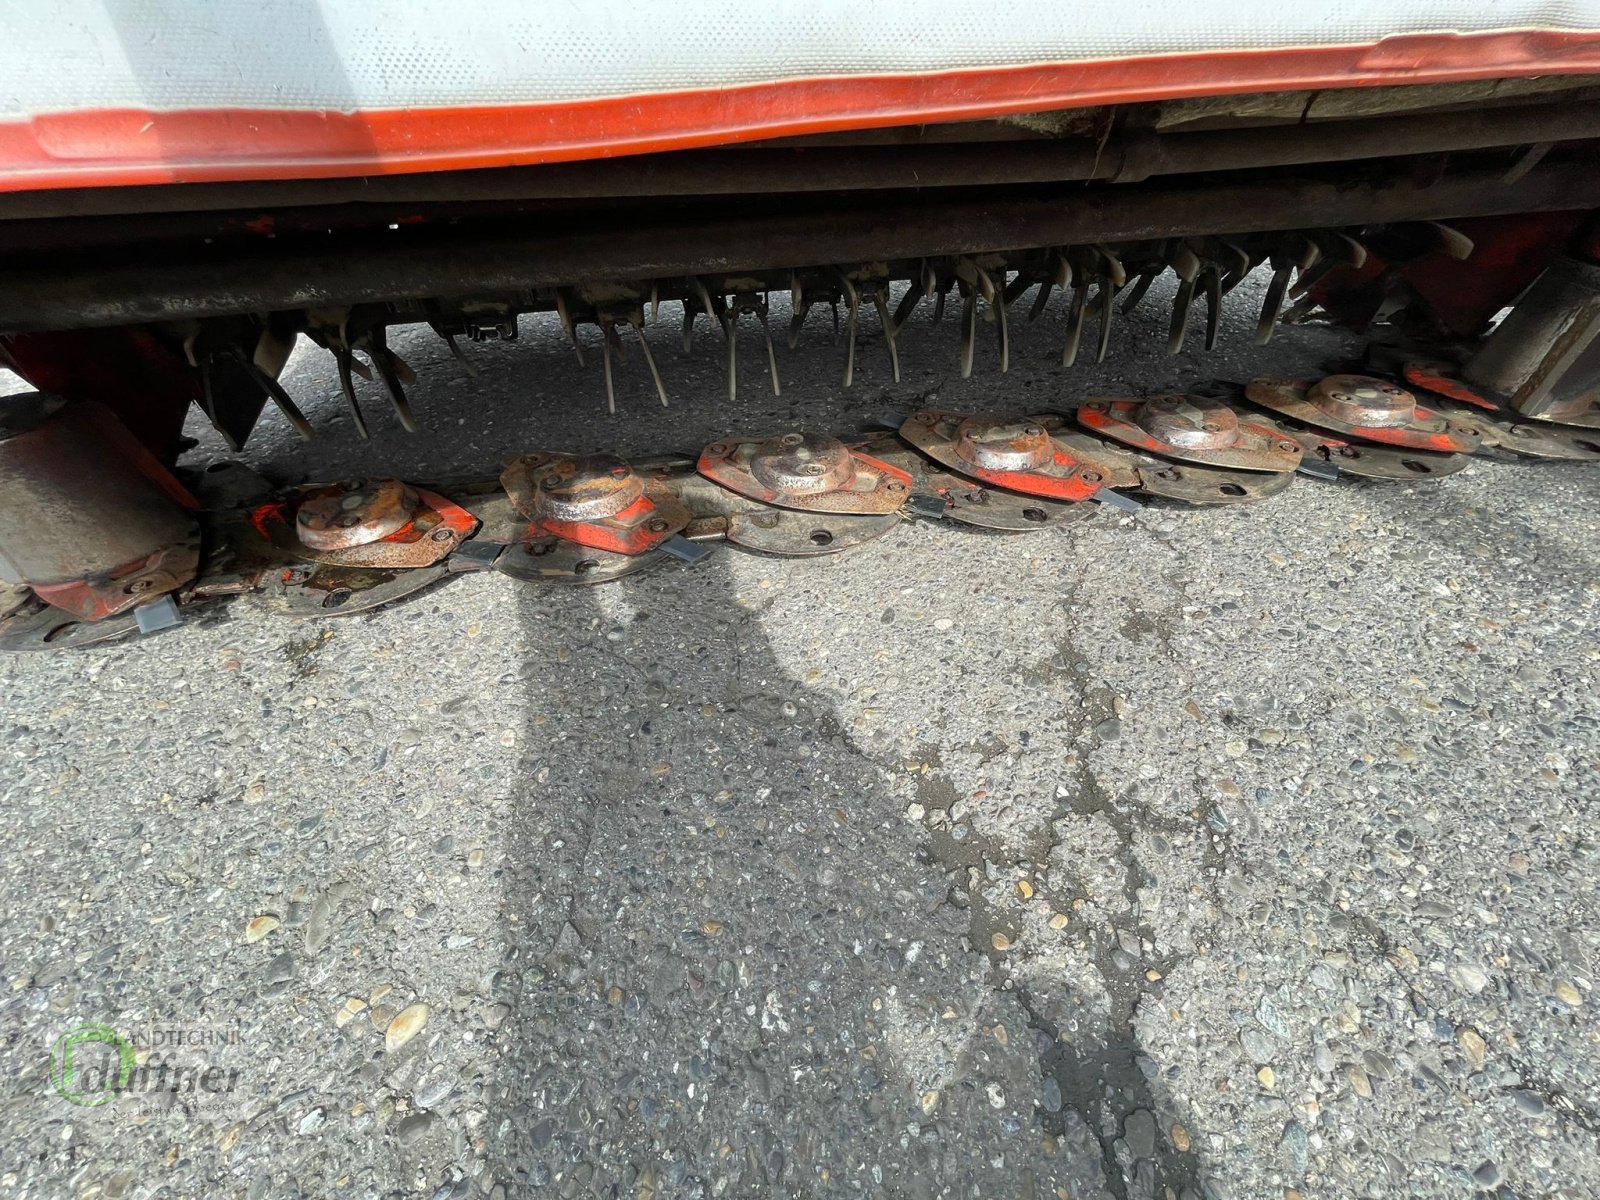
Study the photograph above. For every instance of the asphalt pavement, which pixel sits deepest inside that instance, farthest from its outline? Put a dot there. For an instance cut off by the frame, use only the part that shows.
(1239, 852)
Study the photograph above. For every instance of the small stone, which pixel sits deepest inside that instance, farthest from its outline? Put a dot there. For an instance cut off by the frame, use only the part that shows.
(711, 928)
(915, 811)
(1057, 921)
(1294, 1146)
(281, 969)
(475, 859)
(258, 927)
(1528, 1103)
(1180, 1139)
(313, 1121)
(1108, 730)
(1050, 1095)
(930, 1102)
(1234, 749)
(348, 1011)
(1567, 993)
(1267, 1078)
(1139, 1131)
(432, 1091)
(1378, 1064)
(1000, 942)
(404, 1027)
(1359, 1083)
(1258, 1045)
(1487, 1175)
(943, 623)
(1468, 978)
(1472, 1044)
(413, 1127)
(1024, 890)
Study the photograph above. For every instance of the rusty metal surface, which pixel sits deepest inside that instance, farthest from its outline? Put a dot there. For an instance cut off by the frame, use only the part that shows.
(1349, 404)
(1440, 378)
(82, 502)
(598, 501)
(1208, 486)
(797, 534)
(36, 626)
(1192, 429)
(108, 593)
(437, 526)
(1117, 465)
(1532, 356)
(1016, 453)
(1368, 461)
(430, 262)
(542, 558)
(755, 169)
(972, 503)
(352, 514)
(322, 590)
(1538, 439)
(809, 471)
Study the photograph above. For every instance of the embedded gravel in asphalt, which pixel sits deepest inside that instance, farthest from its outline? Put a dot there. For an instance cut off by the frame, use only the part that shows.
(1246, 852)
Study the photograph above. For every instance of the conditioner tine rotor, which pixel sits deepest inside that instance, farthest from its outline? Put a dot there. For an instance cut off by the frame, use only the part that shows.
(969, 327)
(1107, 308)
(889, 328)
(608, 335)
(772, 354)
(383, 364)
(1212, 283)
(345, 361)
(276, 393)
(456, 353)
(1075, 318)
(650, 361)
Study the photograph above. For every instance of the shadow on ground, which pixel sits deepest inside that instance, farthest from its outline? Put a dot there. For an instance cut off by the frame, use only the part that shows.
(735, 968)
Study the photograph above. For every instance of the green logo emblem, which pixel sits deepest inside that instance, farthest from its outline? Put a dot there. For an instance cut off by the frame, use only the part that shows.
(91, 1064)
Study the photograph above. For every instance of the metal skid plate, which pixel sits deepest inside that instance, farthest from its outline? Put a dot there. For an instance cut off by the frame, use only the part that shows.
(804, 534)
(809, 471)
(1191, 429)
(1374, 462)
(972, 503)
(1365, 408)
(1532, 439)
(1539, 440)
(542, 558)
(1207, 486)
(322, 590)
(31, 624)
(1018, 454)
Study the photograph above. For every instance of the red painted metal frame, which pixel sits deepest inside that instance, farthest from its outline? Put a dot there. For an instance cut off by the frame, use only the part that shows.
(147, 385)
(130, 146)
